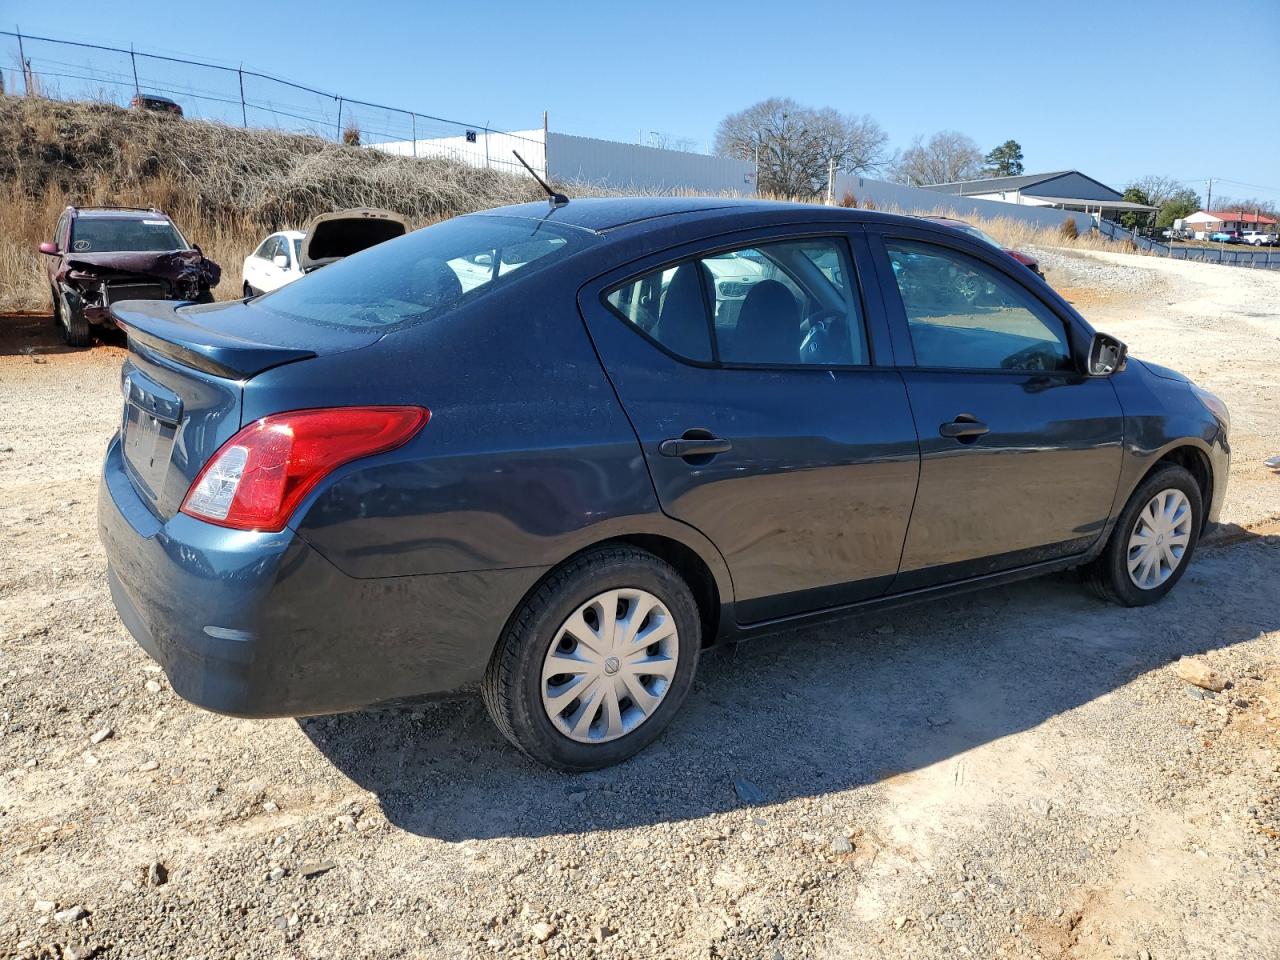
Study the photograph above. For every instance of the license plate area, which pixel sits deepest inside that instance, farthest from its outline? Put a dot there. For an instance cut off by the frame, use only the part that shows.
(116, 292)
(152, 415)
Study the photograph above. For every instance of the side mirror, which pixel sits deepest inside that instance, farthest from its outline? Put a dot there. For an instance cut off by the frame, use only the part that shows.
(281, 261)
(483, 260)
(49, 248)
(1107, 355)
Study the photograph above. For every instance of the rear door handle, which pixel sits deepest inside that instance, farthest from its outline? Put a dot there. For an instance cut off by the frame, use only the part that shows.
(700, 447)
(964, 426)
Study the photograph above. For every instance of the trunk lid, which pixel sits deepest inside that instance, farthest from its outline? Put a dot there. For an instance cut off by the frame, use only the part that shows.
(183, 383)
(332, 236)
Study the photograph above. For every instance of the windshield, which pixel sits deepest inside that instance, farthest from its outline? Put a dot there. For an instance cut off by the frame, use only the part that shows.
(423, 274)
(127, 234)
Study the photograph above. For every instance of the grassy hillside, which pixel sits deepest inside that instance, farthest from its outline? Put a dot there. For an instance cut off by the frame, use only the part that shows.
(224, 186)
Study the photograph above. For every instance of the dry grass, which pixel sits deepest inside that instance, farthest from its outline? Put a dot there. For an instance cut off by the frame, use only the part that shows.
(226, 187)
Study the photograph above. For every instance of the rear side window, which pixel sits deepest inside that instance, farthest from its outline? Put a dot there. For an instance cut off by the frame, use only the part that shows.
(132, 235)
(775, 304)
(963, 314)
(423, 274)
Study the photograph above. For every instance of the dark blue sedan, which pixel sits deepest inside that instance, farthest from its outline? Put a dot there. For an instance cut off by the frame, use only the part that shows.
(560, 450)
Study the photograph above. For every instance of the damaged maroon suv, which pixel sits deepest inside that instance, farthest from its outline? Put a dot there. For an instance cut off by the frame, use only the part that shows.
(103, 255)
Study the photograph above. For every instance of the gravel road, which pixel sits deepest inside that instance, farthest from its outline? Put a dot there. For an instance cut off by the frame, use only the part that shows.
(1016, 773)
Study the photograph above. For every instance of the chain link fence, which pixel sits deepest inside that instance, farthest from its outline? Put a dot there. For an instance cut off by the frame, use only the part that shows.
(70, 70)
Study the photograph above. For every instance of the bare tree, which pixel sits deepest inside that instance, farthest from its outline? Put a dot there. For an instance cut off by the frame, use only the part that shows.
(796, 145)
(945, 157)
(1157, 189)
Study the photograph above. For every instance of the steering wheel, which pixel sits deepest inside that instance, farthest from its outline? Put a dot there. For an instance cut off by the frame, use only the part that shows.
(815, 346)
(1031, 358)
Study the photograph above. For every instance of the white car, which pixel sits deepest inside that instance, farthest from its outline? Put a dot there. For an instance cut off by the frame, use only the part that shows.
(277, 261)
(1259, 239)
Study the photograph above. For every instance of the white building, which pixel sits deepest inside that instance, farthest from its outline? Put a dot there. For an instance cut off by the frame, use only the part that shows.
(1064, 189)
(563, 159)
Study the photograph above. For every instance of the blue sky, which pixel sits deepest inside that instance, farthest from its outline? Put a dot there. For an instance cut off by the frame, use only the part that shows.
(1113, 89)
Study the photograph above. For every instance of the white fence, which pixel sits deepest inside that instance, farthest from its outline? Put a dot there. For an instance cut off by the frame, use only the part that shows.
(920, 200)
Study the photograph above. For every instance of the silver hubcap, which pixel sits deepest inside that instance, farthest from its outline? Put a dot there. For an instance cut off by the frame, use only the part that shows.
(1159, 539)
(610, 665)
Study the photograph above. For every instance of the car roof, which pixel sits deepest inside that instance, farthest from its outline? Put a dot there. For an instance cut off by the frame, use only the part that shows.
(604, 214)
(291, 234)
(119, 213)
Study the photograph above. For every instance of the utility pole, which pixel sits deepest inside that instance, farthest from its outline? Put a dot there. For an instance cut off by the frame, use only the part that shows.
(831, 182)
(22, 59)
(133, 59)
(1208, 200)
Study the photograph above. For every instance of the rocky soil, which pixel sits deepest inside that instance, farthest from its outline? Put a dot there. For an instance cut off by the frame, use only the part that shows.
(1018, 773)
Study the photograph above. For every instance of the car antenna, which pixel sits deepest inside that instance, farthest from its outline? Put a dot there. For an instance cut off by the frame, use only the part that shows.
(555, 199)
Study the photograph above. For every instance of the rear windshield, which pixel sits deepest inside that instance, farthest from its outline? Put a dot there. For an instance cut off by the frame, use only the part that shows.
(424, 274)
(103, 235)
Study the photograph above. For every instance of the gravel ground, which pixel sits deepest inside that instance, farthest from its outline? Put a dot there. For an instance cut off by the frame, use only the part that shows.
(1019, 772)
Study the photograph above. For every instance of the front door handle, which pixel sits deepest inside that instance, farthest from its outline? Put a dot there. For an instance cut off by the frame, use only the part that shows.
(687, 447)
(964, 427)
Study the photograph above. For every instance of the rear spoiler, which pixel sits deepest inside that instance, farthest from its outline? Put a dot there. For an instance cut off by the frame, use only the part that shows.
(157, 325)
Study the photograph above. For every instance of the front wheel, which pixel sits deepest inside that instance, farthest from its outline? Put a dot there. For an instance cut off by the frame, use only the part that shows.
(75, 325)
(596, 662)
(1153, 540)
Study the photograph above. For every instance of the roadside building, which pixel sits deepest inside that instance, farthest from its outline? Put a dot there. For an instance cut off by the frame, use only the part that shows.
(566, 159)
(1063, 189)
(1204, 223)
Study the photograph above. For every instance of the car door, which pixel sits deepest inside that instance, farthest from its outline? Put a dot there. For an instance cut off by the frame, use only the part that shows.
(254, 263)
(1020, 450)
(760, 384)
(273, 275)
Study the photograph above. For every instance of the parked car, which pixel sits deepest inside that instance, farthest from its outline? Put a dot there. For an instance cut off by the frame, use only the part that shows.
(1028, 261)
(102, 255)
(277, 261)
(289, 254)
(1259, 239)
(1225, 236)
(566, 481)
(156, 103)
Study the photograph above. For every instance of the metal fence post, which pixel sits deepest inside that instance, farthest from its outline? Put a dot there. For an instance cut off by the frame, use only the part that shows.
(486, 148)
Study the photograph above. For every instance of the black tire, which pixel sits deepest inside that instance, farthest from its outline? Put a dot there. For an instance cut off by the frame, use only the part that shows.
(1107, 577)
(204, 296)
(246, 290)
(75, 325)
(57, 307)
(512, 686)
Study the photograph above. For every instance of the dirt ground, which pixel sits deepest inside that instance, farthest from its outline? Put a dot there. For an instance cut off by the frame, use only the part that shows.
(1016, 773)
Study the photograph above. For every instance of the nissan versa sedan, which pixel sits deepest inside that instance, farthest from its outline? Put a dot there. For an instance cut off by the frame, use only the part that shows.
(531, 449)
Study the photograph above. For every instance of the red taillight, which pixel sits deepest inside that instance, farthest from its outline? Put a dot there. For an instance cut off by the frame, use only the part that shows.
(259, 476)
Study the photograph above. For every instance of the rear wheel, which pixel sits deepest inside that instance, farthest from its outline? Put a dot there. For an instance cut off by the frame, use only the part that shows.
(248, 290)
(1152, 542)
(75, 326)
(596, 662)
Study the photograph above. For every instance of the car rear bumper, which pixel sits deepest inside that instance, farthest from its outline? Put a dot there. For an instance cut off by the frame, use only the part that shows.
(261, 625)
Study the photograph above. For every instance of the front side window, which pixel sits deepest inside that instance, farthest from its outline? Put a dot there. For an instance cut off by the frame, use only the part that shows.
(132, 234)
(778, 304)
(963, 314)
